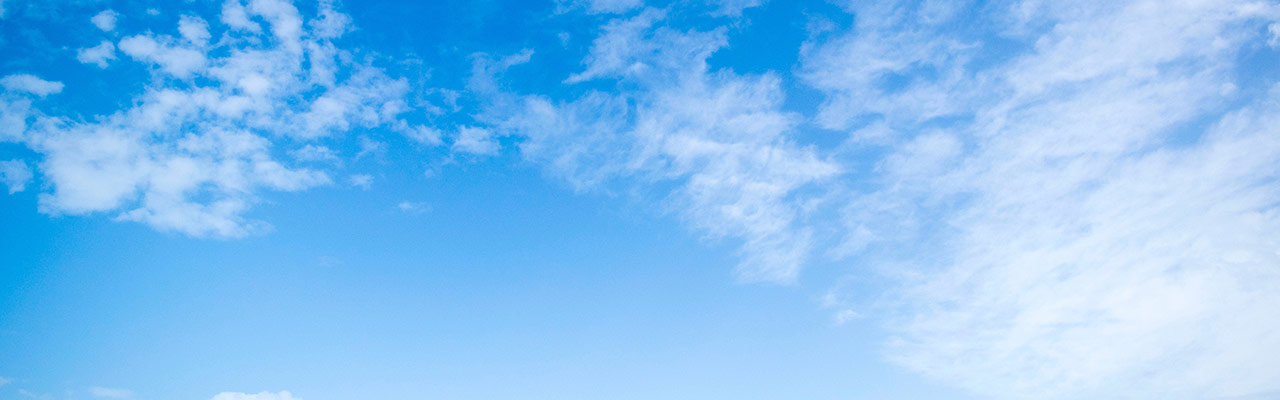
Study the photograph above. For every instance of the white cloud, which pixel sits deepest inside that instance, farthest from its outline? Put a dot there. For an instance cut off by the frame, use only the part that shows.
(413, 207)
(425, 135)
(99, 55)
(13, 118)
(173, 58)
(371, 147)
(331, 23)
(15, 174)
(105, 20)
(473, 140)
(284, 20)
(235, 16)
(720, 138)
(368, 99)
(258, 396)
(602, 6)
(30, 84)
(363, 181)
(1274, 30)
(625, 47)
(734, 7)
(1073, 230)
(314, 153)
(3, 380)
(192, 155)
(194, 29)
(110, 393)
(1, 8)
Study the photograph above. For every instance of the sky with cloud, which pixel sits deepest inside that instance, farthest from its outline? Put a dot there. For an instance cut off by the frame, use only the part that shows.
(630, 199)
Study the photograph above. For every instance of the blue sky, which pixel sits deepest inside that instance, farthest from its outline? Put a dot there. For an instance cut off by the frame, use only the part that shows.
(583, 199)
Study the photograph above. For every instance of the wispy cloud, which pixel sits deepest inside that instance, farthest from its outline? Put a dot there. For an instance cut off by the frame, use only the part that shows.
(1075, 233)
(1067, 199)
(720, 137)
(1086, 212)
(109, 393)
(255, 396)
(363, 181)
(413, 207)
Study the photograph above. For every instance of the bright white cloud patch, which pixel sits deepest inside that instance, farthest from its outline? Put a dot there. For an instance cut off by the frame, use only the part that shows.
(30, 84)
(190, 156)
(106, 20)
(1078, 232)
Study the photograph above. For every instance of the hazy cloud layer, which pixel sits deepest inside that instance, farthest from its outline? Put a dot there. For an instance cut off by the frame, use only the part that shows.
(1088, 235)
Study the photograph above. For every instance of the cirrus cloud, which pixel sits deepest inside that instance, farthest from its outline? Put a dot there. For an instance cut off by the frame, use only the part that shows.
(1090, 217)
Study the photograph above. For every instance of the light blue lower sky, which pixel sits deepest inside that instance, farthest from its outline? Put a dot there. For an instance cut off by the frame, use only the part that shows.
(509, 287)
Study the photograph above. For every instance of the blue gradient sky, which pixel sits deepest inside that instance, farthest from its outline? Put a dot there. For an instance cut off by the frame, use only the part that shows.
(620, 199)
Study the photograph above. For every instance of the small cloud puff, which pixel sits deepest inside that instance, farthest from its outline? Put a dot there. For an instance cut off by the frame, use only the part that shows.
(98, 55)
(194, 29)
(478, 141)
(106, 20)
(30, 84)
(176, 60)
(413, 207)
(15, 174)
(362, 181)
